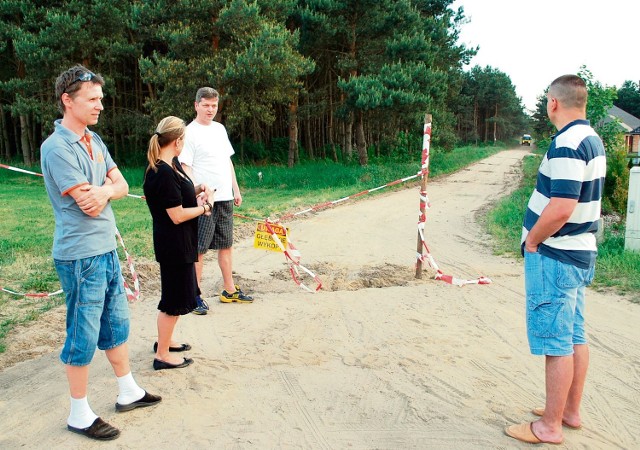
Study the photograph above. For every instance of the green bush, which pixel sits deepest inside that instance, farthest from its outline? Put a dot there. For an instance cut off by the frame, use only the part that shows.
(616, 187)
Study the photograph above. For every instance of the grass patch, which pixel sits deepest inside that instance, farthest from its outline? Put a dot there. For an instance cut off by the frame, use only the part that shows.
(504, 221)
(27, 227)
(617, 268)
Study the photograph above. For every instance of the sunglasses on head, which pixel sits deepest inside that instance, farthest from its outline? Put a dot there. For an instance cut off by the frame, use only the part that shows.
(86, 76)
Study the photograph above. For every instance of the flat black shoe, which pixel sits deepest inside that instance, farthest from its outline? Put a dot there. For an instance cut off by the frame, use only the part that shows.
(99, 430)
(182, 348)
(146, 400)
(159, 364)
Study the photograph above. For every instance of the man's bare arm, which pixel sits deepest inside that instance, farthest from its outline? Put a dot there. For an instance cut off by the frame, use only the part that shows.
(93, 199)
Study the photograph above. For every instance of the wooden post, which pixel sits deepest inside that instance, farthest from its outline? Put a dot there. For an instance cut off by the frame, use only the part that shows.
(426, 143)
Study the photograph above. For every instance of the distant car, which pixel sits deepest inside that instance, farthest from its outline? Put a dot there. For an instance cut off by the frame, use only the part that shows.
(526, 139)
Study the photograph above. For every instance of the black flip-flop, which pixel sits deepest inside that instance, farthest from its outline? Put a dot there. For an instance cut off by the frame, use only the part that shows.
(99, 430)
(182, 348)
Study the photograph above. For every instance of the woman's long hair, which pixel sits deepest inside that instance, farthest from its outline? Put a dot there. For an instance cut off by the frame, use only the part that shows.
(168, 130)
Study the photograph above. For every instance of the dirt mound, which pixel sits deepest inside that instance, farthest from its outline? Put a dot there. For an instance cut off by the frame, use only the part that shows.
(342, 278)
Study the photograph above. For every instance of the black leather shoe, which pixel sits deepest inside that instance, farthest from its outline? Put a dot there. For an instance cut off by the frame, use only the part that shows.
(160, 365)
(99, 430)
(146, 400)
(182, 348)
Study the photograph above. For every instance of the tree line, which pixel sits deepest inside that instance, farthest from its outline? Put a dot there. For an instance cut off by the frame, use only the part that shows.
(299, 79)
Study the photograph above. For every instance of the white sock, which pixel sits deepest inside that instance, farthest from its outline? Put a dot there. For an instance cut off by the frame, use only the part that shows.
(129, 390)
(81, 415)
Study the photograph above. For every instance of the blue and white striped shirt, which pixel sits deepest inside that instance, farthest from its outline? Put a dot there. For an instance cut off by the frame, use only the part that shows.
(574, 167)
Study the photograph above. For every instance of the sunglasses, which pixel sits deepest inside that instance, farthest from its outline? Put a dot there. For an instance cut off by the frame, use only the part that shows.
(86, 76)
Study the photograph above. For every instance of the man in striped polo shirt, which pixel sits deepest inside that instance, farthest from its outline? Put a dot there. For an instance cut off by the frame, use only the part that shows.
(559, 247)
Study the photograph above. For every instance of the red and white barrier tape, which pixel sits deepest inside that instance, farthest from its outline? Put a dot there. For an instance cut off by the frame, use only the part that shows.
(293, 257)
(142, 197)
(134, 295)
(422, 219)
(39, 295)
(343, 199)
(17, 169)
(460, 282)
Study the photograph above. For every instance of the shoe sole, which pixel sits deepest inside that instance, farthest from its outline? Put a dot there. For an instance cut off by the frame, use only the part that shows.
(162, 365)
(134, 405)
(199, 313)
(93, 434)
(95, 438)
(231, 300)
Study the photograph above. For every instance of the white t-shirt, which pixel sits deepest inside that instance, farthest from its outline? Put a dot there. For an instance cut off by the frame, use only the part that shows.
(207, 151)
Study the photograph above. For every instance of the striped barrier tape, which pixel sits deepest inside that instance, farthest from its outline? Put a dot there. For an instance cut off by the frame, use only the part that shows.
(460, 282)
(324, 205)
(134, 295)
(293, 257)
(17, 169)
(422, 219)
(350, 197)
(39, 295)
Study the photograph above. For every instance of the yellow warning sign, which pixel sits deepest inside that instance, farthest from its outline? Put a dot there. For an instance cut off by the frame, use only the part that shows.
(262, 238)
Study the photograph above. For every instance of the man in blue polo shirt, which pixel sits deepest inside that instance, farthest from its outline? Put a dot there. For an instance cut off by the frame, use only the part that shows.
(559, 247)
(81, 180)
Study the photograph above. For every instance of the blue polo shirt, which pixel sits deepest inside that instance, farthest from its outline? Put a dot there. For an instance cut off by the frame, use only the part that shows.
(67, 164)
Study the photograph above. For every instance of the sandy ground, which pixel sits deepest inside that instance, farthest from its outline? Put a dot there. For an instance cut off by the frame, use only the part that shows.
(376, 360)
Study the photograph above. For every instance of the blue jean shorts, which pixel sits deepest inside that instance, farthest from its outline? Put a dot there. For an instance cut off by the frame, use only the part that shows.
(555, 304)
(97, 309)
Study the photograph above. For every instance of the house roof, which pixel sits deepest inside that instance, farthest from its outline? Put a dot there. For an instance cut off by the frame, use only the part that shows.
(627, 121)
(636, 131)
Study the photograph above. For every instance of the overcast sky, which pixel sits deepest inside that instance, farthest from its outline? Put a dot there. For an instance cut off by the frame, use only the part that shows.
(536, 41)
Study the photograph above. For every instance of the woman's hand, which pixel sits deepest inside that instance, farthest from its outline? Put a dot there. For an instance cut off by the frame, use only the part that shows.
(205, 196)
(208, 193)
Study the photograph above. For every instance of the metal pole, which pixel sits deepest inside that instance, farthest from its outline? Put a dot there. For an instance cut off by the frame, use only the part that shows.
(426, 143)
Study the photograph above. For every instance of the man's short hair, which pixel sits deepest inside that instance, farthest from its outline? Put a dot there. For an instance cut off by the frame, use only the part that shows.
(70, 81)
(206, 92)
(570, 90)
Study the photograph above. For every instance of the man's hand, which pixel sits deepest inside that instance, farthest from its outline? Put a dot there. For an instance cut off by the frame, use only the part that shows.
(553, 217)
(93, 199)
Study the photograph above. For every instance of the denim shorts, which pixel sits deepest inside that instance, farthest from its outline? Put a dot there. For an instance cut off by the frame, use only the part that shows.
(97, 309)
(555, 304)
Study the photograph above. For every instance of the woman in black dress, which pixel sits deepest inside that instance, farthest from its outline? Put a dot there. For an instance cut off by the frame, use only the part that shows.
(175, 204)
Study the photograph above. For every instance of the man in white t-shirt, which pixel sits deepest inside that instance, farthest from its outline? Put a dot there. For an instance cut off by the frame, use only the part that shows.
(206, 157)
